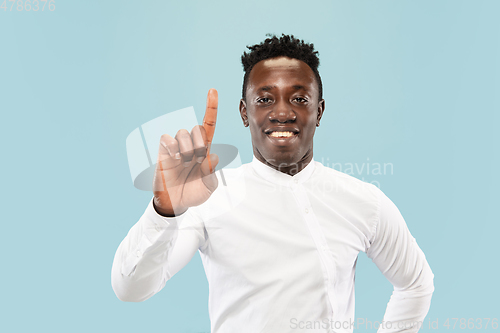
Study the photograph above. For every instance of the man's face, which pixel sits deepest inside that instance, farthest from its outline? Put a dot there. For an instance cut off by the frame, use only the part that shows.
(282, 110)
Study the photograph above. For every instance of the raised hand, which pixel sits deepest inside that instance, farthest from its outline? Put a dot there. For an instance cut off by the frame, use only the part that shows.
(184, 175)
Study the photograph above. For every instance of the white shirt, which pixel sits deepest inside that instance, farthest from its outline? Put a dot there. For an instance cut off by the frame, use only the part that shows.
(280, 252)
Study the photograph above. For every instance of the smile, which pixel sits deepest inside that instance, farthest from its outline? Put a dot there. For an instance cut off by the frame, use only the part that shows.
(282, 134)
(282, 138)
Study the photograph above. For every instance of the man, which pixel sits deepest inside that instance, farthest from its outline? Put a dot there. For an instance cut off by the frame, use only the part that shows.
(279, 243)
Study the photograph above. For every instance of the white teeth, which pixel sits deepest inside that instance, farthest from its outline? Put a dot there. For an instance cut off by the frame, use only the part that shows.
(281, 134)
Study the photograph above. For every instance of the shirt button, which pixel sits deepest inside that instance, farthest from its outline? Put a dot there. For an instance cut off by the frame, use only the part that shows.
(157, 227)
(306, 210)
(324, 248)
(138, 253)
(296, 181)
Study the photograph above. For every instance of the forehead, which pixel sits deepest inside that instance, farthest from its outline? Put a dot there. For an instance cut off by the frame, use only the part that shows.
(282, 71)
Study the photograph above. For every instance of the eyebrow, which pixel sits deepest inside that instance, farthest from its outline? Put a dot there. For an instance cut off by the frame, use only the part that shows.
(268, 88)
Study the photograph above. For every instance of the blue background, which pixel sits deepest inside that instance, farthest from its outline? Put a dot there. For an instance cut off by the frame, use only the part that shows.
(411, 83)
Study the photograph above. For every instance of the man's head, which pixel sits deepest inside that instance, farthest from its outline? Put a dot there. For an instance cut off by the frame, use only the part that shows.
(282, 101)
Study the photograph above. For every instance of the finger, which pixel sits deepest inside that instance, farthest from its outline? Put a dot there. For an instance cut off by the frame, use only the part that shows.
(185, 146)
(199, 138)
(159, 183)
(208, 165)
(210, 117)
(208, 175)
(169, 146)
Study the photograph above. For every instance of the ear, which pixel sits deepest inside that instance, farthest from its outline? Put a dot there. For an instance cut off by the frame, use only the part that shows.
(321, 108)
(243, 112)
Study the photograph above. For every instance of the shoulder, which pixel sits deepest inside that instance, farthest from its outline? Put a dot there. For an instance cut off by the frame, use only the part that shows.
(348, 185)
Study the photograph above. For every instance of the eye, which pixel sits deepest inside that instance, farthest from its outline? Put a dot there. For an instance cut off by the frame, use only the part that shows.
(300, 99)
(263, 100)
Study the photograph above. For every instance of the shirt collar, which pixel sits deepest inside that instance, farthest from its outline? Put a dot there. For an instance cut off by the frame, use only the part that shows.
(274, 176)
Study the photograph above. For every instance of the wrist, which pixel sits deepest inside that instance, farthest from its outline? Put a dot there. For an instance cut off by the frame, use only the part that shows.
(166, 212)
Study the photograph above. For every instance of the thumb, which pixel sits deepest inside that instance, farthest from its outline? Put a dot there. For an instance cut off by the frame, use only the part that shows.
(209, 163)
(207, 169)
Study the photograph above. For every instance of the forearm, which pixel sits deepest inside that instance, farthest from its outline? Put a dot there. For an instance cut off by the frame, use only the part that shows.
(140, 266)
(408, 307)
(396, 253)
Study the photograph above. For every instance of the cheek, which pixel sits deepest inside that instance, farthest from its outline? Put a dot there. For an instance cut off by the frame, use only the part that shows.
(309, 125)
(255, 129)
(255, 123)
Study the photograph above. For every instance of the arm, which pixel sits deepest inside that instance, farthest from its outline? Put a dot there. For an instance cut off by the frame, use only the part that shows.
(157, 247)
(154, 250)
(396, 253)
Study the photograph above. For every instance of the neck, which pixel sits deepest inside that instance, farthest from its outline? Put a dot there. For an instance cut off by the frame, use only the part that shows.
(291, 168)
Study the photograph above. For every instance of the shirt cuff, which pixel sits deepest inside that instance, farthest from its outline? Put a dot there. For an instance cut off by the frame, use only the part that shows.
(158, 227)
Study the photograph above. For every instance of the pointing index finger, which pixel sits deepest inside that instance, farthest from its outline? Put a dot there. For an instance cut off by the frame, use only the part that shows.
(211, 114)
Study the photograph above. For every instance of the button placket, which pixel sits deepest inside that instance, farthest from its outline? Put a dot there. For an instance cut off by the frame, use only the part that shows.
(318, 238)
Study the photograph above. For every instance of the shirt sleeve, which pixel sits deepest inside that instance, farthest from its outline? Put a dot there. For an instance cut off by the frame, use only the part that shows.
(154, 249)
(396, 253)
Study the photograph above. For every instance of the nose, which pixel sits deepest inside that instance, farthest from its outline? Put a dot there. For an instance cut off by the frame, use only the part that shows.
(282, 112)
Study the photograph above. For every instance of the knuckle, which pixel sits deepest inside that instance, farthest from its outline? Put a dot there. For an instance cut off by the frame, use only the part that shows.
(188, 155)
(187, 151)
(173, 146)
(182, 133)
(197, 131)
(200, 151)
(200, 145)
(165, 138)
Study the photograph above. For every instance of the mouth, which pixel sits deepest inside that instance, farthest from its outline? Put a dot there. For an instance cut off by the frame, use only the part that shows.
(281, 137)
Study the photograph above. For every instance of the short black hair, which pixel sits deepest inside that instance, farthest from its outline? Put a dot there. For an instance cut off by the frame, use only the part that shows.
(273, 47)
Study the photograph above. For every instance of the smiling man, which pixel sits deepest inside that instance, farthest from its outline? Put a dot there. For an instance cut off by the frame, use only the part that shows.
(280, 242)
(282, 105)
